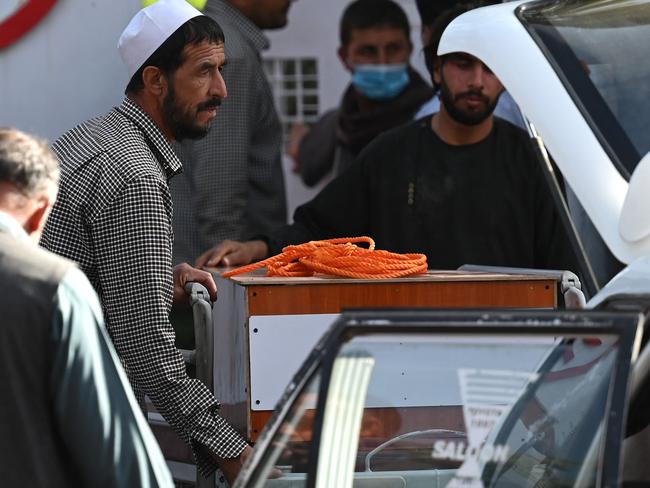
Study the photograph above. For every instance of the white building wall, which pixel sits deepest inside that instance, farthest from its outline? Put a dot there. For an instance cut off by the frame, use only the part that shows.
(66, 69)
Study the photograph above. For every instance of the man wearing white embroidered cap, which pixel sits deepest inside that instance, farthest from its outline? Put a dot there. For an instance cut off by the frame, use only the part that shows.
(113, 213)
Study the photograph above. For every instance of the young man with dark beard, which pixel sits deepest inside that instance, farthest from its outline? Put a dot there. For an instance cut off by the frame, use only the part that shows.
(460, 186)
(113, 214)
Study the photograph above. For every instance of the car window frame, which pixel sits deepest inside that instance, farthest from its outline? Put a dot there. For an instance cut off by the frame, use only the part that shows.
(310, 367)
(593, 108)
(589, 281)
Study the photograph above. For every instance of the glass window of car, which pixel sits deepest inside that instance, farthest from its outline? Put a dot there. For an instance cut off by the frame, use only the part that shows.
(288, 454)
(503, 410)
(599, 49)
(433, 407)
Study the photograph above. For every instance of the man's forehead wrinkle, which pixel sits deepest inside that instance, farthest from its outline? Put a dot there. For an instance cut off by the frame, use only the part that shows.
(204, 46)
(203, 52)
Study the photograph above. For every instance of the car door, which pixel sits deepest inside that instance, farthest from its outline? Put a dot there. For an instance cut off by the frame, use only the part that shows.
(415, 399)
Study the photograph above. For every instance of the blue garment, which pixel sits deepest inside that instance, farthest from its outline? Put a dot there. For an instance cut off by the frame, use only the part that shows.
(506, 109)
(95, 420)
(380, 81)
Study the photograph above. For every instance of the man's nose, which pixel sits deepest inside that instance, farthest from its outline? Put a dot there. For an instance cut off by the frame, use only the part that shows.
(218, 87)
(382, 57)
(385, 55)
(477, 76)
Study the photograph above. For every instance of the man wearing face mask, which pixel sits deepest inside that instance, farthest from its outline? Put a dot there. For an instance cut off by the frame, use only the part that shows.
(384, 93)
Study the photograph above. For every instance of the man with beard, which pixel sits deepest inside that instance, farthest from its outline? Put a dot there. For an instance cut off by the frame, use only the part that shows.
(233, 183)
(113, 214)
(435, 14)
(460, 186)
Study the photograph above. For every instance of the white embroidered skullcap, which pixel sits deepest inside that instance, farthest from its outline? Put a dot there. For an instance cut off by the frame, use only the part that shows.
(149, 28)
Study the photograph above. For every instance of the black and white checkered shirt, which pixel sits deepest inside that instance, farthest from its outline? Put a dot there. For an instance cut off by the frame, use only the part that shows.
(113, 216)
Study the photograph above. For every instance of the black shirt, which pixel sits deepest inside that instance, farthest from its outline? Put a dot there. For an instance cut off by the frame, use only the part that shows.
(485, 203)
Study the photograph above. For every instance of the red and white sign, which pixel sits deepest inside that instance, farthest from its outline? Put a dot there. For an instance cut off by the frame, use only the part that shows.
(17, 17)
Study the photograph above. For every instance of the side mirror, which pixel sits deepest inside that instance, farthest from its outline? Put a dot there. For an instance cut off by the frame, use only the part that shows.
(634, 223)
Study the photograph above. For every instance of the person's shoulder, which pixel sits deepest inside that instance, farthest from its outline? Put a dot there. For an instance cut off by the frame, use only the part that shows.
(388, 148)
(104, 155)
(240, 50)
(514, 143)
(325, 123)
(322, 133)
(80, 144)
(505, 128)
(398, 136)
(330, 114)
(28, 262)
(75, 289)
(510, 135)
(237, 47)
(109, 133)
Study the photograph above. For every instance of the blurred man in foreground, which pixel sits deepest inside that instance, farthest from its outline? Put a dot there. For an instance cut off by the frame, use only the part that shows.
(68, 417)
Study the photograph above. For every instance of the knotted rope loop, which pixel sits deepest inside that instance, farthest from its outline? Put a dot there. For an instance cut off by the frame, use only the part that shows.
(338, 257)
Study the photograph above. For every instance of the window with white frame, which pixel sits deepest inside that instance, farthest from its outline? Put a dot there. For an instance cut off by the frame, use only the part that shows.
(294, 82)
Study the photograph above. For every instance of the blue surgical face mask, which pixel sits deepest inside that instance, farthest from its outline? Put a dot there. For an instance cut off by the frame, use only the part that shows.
(380, 81)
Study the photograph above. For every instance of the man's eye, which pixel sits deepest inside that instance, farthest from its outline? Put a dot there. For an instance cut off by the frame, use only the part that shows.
(367, 51)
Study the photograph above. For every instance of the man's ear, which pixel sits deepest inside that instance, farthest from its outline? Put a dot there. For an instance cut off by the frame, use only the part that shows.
(343, 56)
(35, 221)
(154, 80)
(437, 70)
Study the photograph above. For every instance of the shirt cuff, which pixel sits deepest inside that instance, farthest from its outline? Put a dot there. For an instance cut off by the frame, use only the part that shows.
(215, 434)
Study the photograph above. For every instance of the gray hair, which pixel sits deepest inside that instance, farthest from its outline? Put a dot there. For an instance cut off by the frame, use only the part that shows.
(27, 163)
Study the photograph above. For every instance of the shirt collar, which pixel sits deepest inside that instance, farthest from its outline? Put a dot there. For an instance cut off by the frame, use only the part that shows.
(219, 9)
(11, 225)
(164, 152)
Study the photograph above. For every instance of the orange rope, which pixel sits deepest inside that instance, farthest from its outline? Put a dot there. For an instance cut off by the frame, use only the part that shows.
(339, 257)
